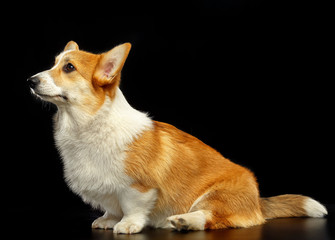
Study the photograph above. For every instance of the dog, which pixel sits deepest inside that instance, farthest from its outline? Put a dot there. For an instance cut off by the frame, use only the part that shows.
(142, 172)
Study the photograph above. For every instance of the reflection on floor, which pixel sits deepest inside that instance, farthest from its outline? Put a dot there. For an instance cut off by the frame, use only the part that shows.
(72, 226)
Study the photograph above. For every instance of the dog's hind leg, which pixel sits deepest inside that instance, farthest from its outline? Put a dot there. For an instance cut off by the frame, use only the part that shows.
(221, 207)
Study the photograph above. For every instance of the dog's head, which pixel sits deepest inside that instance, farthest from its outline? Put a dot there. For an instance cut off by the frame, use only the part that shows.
(81, 79)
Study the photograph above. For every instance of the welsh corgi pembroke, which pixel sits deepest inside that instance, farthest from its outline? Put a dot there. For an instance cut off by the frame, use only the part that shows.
(142, 172)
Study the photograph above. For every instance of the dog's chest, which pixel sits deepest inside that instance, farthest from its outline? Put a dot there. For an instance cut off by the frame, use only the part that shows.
(94, 147)
(93, 160)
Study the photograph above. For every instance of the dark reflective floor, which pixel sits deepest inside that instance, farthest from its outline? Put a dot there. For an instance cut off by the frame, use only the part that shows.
(285, 229)
(77, 226)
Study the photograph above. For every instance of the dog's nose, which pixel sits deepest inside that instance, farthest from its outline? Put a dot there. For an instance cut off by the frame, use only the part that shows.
(33, 82)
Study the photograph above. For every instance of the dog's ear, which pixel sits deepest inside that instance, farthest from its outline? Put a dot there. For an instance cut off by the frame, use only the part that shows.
(110, 64)
(71, 46)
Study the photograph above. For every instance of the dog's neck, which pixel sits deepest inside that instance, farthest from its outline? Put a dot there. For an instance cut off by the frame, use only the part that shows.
(115, 113)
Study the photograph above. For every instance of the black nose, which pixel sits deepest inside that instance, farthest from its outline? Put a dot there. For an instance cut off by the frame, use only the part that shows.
(33, 82)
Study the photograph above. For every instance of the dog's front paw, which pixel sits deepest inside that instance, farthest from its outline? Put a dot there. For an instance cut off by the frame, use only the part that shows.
(104, 223)
(126, 227)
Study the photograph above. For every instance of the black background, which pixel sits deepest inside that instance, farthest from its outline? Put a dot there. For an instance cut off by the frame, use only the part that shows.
(251, 79)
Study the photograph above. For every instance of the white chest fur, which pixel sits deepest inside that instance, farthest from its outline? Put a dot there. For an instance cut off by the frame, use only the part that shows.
(93, 147)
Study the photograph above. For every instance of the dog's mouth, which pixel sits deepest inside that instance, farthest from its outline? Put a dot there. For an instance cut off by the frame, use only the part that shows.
(46, 96)
(54, 96)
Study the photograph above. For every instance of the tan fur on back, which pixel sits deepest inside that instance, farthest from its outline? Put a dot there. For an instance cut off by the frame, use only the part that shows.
(184, 168)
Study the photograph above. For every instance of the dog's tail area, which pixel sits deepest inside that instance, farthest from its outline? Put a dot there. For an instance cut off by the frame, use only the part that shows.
(290, 205)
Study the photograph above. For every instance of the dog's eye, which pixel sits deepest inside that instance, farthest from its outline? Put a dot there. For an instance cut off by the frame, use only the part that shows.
(68, 68)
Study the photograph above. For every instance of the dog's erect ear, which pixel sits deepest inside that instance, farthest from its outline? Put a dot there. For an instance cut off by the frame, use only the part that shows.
(71, 46)
(110, 64)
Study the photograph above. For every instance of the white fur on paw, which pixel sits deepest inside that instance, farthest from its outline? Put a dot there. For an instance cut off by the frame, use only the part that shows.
(104, 223)
(188, 221)
(125, 227)
(178, 223)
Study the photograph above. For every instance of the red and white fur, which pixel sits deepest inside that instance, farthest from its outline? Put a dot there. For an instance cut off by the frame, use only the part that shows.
(142, 172)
